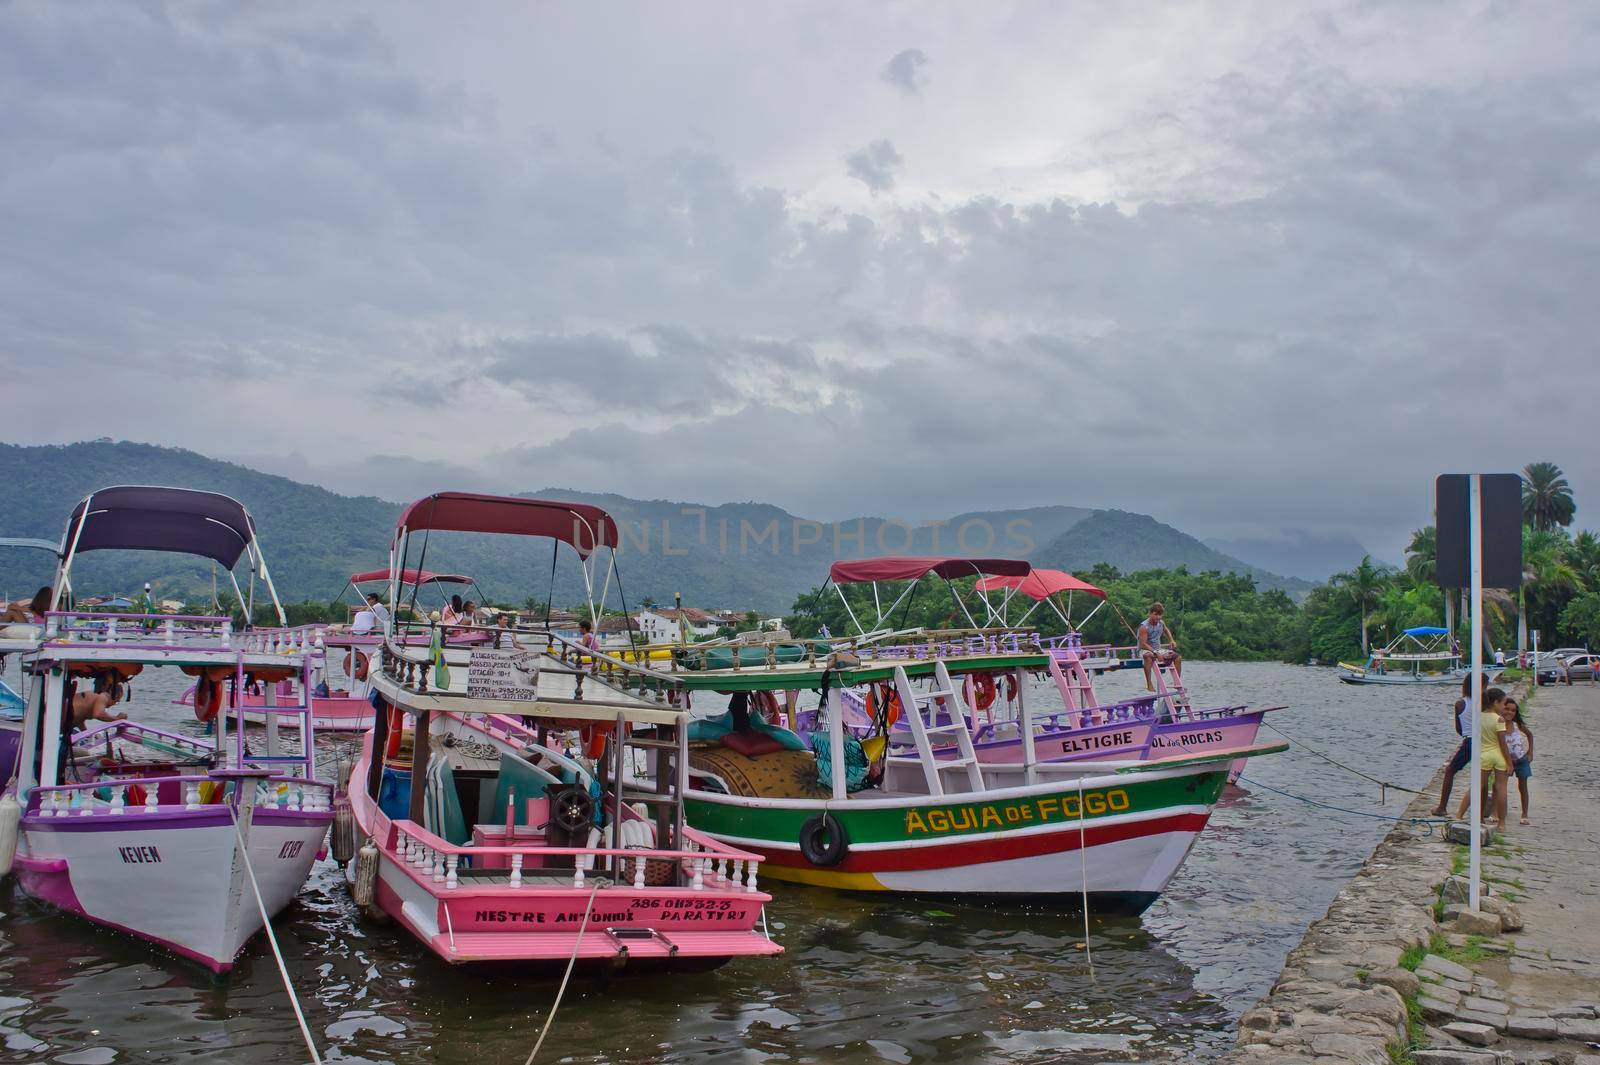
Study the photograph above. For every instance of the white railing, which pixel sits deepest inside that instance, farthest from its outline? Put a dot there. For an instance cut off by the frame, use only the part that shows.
(709, 864)
(81, 800)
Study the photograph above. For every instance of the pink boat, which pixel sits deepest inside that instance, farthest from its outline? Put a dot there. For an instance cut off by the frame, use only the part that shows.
(492, 843)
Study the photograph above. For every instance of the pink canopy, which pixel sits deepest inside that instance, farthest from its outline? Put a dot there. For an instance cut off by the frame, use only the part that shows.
(584, 526)
(410, 576)
(1040, 584)
(900, 568)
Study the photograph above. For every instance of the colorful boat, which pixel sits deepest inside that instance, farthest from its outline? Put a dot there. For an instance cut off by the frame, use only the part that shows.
(190, 844)
(1424, 654)
(523, 851)
(843, 811)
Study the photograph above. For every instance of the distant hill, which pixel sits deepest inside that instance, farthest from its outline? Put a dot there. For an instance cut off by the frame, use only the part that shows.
(1297, 553)
(1137, 541)
(740, 555)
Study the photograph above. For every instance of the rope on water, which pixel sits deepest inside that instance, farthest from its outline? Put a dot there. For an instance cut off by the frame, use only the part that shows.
(1426, 822)
(562, 990)
(1349, 769)
(266, 924)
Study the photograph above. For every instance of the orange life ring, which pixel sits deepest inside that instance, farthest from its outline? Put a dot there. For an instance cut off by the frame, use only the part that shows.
(892, 708)
(355, 664)
(208, 696)
(983, 690)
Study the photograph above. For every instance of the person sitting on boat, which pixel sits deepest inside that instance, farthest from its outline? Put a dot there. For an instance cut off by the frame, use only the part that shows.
(96, 706)
(31, 612)
(380, 613)
(589, 642)
(451, 615)
(1152, 631)
(1380, 660)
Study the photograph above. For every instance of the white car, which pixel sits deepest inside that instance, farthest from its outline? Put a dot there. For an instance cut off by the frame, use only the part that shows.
(1578, 666)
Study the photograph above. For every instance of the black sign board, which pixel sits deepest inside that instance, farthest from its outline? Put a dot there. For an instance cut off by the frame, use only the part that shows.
(1501, 534)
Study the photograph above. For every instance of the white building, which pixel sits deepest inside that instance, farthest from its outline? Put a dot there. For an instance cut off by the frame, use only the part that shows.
(661, 626)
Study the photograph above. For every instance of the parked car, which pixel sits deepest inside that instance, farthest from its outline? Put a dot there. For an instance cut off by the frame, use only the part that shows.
(1579, 666)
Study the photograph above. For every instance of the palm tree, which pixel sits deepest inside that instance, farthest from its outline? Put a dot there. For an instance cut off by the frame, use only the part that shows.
(1422, 563)
(1364, 587)
(1545, 575)
(1583, 555)
(1546, 496)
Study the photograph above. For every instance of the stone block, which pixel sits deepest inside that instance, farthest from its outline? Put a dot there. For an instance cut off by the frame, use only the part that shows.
(1445, 968)
(1493, 1020)
(1510, 916)
(1475, 923)
(1402, 980)
(1579, 1029)
(1478, 1035)
(1453, 1056)
(1525, 1026)
(1484, 1005)
(1437, 1010)
(1578, 1012)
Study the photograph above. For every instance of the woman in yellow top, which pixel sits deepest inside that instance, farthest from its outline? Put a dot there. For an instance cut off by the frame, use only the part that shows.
(1494, 758)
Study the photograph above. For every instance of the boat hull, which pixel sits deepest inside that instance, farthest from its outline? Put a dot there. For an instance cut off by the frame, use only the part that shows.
(173, 878)
(1012, 842)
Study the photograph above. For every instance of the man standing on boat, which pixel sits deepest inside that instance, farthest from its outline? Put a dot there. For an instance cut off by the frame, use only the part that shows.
(1152, 632)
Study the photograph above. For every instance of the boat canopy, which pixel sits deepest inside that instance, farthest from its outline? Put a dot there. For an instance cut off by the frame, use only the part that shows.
(1040, 584)
(1426, 630)
(902, 568)
(584, 526)
(410, 576)
(146, 518)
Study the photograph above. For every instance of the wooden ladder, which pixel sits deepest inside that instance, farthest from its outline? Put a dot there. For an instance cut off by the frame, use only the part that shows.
(1174, 693)
(914, 704)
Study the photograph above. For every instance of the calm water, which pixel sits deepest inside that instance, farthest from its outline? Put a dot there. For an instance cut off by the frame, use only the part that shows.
(897, 980)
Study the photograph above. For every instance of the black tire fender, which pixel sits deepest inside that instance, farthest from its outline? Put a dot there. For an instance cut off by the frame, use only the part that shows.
(823, 841)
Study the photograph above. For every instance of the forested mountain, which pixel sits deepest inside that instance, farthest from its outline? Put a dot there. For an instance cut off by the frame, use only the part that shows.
(739, 555)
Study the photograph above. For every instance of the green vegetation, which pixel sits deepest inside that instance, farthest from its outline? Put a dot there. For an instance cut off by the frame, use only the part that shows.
(1412, 957)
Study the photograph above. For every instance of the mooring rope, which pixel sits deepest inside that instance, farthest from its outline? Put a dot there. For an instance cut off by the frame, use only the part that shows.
(562, 990)
(266, 924)
(1427, 822)
(1349, 769)
(1083, 870)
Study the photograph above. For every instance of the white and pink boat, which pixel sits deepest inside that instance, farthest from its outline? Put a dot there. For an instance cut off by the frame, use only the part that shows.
(491, 838)
(1155, 726)
(189, 843)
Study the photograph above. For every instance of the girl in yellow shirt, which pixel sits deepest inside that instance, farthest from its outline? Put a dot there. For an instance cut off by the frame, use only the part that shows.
(1494, 759)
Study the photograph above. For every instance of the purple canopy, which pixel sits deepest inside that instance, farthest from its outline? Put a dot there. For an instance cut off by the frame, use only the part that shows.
(144, 518)
(901, 568)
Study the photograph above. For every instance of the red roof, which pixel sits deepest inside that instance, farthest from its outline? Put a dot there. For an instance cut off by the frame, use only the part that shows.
(897, 568)
(582, 525)
(410, 576)
(1041, 584)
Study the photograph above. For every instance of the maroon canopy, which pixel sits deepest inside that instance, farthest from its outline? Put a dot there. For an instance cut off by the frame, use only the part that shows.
(1041, 584)
(410, 576)
(897, 568)
(582, 525)
(147, 518)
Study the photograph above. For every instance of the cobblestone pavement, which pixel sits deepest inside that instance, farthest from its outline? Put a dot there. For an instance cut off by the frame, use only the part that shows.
(1526, 988)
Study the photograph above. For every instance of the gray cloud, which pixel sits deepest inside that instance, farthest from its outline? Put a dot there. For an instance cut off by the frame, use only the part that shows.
(904, 71)
(874, 165)
(1304, 267)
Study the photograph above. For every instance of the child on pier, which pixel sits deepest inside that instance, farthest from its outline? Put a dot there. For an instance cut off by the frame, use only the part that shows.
(1463, 717)
(1519, 743)
(1494, 761)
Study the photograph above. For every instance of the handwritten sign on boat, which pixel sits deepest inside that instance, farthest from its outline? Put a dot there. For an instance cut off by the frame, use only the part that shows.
(503, 675)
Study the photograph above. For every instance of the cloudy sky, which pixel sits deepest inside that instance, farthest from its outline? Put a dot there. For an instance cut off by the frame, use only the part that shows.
(1239, 265)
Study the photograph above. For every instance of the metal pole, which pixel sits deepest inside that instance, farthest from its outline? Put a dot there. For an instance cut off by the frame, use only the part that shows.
(1475, 527)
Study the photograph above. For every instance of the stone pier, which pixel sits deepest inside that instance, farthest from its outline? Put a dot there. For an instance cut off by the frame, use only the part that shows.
(1398, 971)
